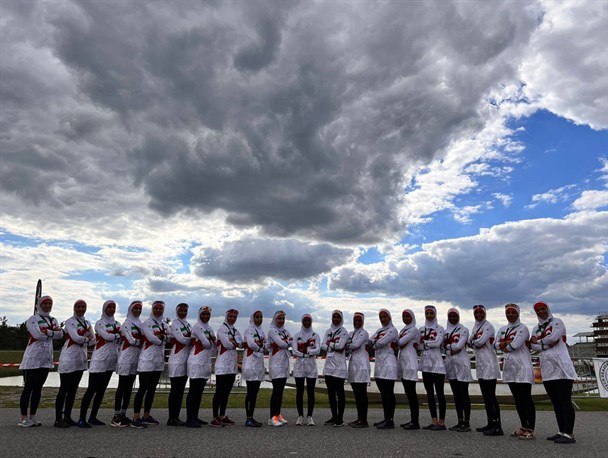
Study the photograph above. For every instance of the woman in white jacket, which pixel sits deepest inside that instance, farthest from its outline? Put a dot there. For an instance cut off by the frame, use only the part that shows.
(433, 367)
(487, 369)
(254, 342)
(228, 340)
(549, 339)
(384, 342)
(513, 340)
(334, 371)
(359, 368)
(199, 366)
(458, 369)
(306, 347)
(181, 334)
(150, 365)
(37, 359)
(126, 368)
(72, 363)
(278, 366)
(409, 336)
(103, 364)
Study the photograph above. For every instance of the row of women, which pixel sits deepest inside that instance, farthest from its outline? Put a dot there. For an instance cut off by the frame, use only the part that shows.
(136, 348)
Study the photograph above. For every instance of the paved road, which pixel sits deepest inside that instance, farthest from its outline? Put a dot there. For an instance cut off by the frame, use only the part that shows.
(237, 441)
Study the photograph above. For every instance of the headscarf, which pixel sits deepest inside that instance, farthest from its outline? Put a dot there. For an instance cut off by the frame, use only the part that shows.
(306, 333)
(514, 307)
(230, 326)
(334, 328)
(154, 317)
(273, 324)
(79, 301)
(206, 326)
(252, 321)
(108, 318)
(181, 304)
(433, 323)
(450, 327)
(361, 315)
(390, 320)
(549, 316)
(136, 321)
(413, 323)
(39, 305)
(479, 323)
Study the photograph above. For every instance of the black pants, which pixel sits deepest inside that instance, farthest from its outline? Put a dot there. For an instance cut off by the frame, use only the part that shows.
(460, 390)
(488, 391)
(223, 387)
(194, 398)
(360, 392)
(147, 388)
(123, 393)
(409, 386)
(335, 393)
(66, 394)
(253, 388)
(387, 393)
(32, 389)
(310, 391)
(522, 394)
(276, 398)
(433, 383)
(176, 395)
(98, 382)
(560, 393)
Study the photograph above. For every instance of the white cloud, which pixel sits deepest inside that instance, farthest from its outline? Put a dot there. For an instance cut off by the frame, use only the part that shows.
(591, 200)
(552, 196)
(504, 199)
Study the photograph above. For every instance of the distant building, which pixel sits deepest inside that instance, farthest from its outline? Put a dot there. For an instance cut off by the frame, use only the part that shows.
(600, 334)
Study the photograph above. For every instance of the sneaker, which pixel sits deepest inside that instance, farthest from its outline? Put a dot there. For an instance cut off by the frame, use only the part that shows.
(175, 422)
(310, 421)
(338, 423)
(274, 421)
(192, 424)
(300, 421)
(217, 423)
(35, 421)
(352, 423)
(438, 428)
(379, 423)
(388, 424)
(82, 423)
(564, 439)
(61, 424)
(410, 426)
(138, 424)
(455, 427)
(485, 428)
(330, 422)
(25, 423)
(201, 422)
(150, 420)
(554, 437)
(429, 426)
(495, 431)
(95, 422)
(70, 422)
(124, 421)
(252, 423)
(227, 421)
(464, 428)
(116, 421)
(361, 424)
(281, 419)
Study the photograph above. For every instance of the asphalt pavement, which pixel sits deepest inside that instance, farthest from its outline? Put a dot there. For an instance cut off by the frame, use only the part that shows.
(302, 441)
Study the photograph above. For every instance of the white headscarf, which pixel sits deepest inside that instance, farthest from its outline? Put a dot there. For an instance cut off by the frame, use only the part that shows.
(108, 318)
(433, 323)
(450, 327)
(413, 323)
(230, 326)
(479, 323)
(306, 333)
(334, 328)
(515, 307)
(39, 305)
(135, 321)
(390, 320)
(252, 321)
(549, 316)
(273, 324)
(154, 317)
(206, 326)
(75, 314)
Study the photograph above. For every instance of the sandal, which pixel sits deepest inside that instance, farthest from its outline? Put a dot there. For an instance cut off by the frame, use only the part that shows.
(518, 433)
(528, 434)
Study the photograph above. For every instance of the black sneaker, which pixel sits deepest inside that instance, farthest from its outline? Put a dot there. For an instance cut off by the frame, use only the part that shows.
(361, 424)
(554, 437)
(565, 440)
(379, 423)
(410, 426)
(438, 428)
(70, 422)
(173, 422)
(227, 421)
(429, 426)
(138, 424)
(201, 422)
(192, 424)
(338, 423)
(388, 424)
(455, 427)
(464, 427)
(61, 424)
(116, 421)
(125, 421)
(330, 422)
(495, 431)
(485, 428)
(95, 422)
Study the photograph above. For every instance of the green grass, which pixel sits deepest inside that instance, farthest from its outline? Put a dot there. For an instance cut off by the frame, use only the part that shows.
(14, 356)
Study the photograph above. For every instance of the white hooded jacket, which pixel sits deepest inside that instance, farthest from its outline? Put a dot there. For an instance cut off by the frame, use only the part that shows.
(280, 341)
(457, 362)
(482, 341)
(156, 335)
(359, 369)
(408, 340)
(199, 360)
(73, 356)
(517, 363)
(384, 342)
(105, 355)
(305, 348)
(132, 341)
(253, 360)
(431, 340)
(334, 342)
(181, 335)
(226, 361)
(42, 330)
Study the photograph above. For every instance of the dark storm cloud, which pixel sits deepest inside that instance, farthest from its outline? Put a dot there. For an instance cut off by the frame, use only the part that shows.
(300, 119)
(251, 259)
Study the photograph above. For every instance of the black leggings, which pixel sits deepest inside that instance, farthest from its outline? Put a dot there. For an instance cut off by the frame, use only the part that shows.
(310, 391)
(560, 393)
(522, 394)
(409, 386)
(193, 400)
(360, 392)
(433, 381)
(123, 393)
(176, 395)
(276, 398)
(223, 387)
(460, 390)
(147, 388)
(335, 393)
(32, 389)
(387, 393)
(98, 382)
(66, 394)
(252, 396)
(488, 391)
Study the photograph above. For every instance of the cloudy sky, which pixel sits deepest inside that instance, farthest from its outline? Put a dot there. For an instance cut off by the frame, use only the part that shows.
(305, 156)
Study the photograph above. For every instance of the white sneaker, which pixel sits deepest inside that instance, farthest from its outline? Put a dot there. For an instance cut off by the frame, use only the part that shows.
(300, 421)
(25, 423)
(282, 420)
(35, 421)
(274, 421)
(310, 421)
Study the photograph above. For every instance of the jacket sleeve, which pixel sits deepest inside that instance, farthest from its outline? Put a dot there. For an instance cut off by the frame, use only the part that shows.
(274, 338)
(200, 335)
(34, 329)
(520, 339)
(127, 333)
(408, 337)
(294, 347)
(149, 333)
(72, 329)
(238, 337)
(559, 330)
(222, 336)
(177, 333)
(250, 340)
(437, 341)
(100, 329)
(486, 335)
(361, 339)
(457, 346)
(316, 349)
(341, 342)
(390, 336)
(57, 331)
